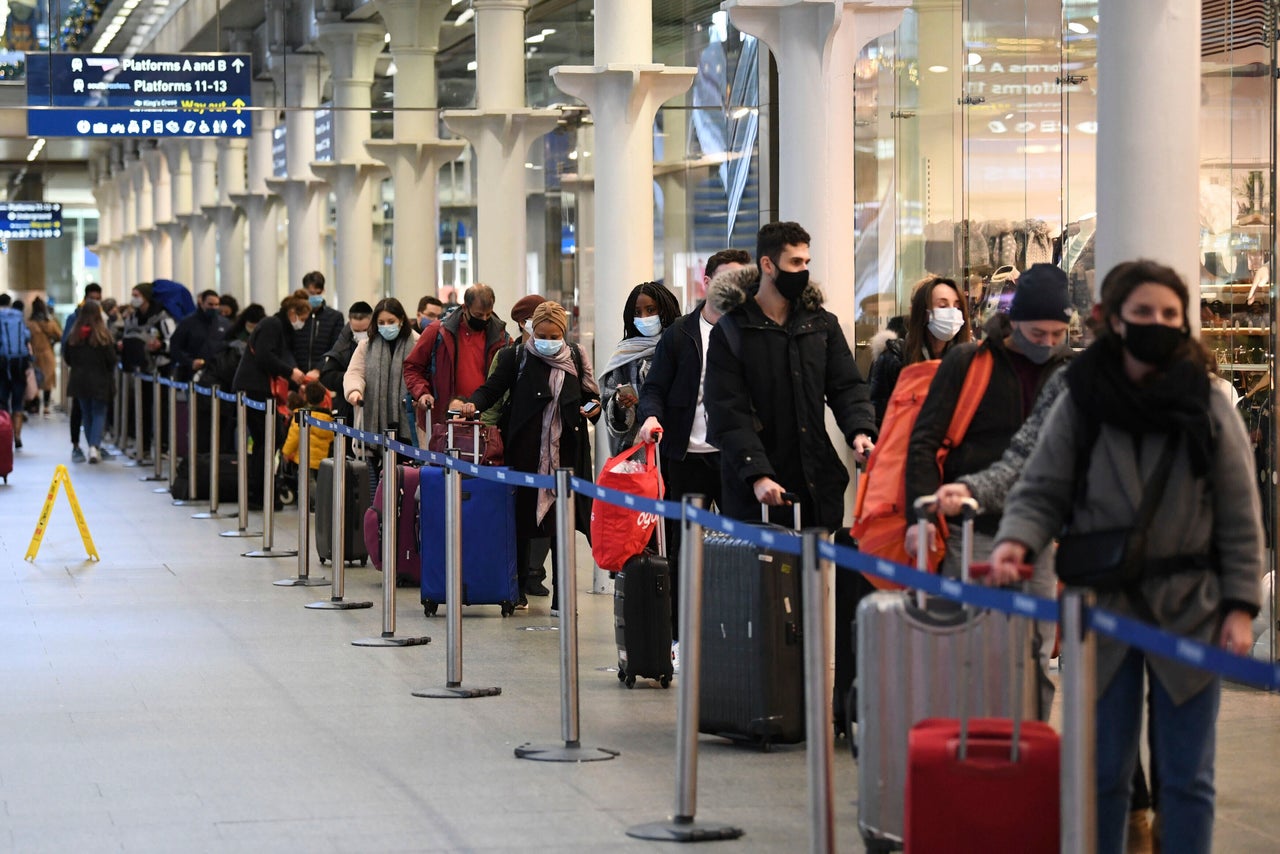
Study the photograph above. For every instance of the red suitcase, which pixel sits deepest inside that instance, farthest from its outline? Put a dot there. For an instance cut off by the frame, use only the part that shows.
(408, 548)
(977, 785)
(6, 445)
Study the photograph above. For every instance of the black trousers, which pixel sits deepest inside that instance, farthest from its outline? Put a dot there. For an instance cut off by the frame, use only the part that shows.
(696, 474)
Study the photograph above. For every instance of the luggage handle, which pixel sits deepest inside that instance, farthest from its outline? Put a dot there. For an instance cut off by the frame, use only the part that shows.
(662, 523)
(476, 453)
(794, 500)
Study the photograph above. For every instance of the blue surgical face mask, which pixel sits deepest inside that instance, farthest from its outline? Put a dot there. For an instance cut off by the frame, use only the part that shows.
(424, 322)
(390, 333)
(648, 326)
(548, 346)
(315, 301)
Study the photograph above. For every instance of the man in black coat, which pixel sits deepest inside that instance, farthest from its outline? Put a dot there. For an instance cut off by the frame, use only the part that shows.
(671, 401)
(321, 330)
(776, 359)
(198, 337)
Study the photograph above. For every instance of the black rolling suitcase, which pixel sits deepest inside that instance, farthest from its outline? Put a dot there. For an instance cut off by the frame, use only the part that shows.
(357, 502)
(752, 656)
(227, 477)
(642, 616)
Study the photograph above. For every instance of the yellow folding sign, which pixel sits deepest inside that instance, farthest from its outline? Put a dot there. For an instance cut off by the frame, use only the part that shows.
(61, 477)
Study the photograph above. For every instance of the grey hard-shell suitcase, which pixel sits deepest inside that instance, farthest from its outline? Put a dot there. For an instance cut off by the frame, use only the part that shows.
(752, 653)
(911, 666)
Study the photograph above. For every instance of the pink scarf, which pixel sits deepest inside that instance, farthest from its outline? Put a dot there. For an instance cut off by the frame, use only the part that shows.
(552, 423)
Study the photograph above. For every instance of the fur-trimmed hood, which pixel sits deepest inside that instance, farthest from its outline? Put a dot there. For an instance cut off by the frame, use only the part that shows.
(880, 341)
(730, 289)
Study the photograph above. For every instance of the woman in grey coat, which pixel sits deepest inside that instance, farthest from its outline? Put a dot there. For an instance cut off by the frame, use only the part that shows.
(1138, 410)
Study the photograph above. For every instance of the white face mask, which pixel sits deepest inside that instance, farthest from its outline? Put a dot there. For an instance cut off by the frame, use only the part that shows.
(361, 336)
(136, 302)
(945, 323)
(648, 326)
(297, 324)
(528, 327)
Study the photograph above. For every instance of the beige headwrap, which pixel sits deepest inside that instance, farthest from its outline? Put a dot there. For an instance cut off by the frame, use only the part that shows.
(553, 312)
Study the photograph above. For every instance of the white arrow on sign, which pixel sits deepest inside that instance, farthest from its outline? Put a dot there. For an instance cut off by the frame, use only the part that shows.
(238, 64)
(239, 126)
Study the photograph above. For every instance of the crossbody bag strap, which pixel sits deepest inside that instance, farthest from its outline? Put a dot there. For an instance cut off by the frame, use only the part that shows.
(1152, 495)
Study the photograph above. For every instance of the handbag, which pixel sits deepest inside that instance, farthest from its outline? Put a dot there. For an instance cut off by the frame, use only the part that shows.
(619, 533)
(475, 441)
(1113, 558)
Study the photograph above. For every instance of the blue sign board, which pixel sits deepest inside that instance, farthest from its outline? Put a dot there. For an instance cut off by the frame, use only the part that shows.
(30, 220)
(155, 95)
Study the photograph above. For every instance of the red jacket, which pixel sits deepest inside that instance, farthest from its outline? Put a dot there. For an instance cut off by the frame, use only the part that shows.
(431, 366)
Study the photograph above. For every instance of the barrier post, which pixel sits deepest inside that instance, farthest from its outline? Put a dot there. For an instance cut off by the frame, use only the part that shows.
(304, 578)
(815, 593)
(117, 442)
(215, 454)
(269, 490)
(242, 472)
(453, 688)
(155, 475)
(139, 450)
(683, 825)
(567, 589)
(390, 551)
(1079, 833)
(193, 476)
(171, 431)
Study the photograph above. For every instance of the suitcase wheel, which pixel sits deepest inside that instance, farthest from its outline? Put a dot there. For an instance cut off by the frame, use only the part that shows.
(323, 561)
(508, 608)
(665, 681)
(364, 561)
(631, 682)
(876, 845)
(429, 608)
(622, 674)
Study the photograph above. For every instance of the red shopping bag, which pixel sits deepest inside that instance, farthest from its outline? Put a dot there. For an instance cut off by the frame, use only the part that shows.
(620, 533)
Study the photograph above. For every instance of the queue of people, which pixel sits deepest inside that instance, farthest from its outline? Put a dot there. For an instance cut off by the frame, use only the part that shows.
(1121, 468)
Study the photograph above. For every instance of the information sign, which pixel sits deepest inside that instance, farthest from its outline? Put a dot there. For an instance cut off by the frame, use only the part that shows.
(30, 220)
(155, 95)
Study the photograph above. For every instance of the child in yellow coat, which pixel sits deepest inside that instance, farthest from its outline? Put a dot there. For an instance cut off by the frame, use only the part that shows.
(320, 440)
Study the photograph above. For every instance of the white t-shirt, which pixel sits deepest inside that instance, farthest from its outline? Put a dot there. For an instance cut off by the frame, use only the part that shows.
(698, 433)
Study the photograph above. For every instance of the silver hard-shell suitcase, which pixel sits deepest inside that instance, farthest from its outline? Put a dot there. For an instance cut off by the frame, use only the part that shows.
(911, 657)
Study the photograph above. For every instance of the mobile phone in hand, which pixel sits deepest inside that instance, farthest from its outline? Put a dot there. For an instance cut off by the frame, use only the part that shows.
(628, 388)
(591, 407)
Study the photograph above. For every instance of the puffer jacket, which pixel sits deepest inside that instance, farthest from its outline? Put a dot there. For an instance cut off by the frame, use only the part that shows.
(886, 364)
(316, 337)
(766, 393)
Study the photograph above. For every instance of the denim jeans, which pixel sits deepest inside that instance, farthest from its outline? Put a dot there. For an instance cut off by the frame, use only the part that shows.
(1184, 749)
(93, 414)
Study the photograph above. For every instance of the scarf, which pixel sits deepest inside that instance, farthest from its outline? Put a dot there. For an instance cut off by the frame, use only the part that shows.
(384, 383)
(629, 350)
(562, 363)
(1174, 401)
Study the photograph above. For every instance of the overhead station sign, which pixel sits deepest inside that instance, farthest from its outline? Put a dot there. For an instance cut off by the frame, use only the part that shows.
(153, 95)
(30, 220)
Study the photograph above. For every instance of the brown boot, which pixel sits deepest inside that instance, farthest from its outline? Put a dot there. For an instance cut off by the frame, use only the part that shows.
(1139, 837)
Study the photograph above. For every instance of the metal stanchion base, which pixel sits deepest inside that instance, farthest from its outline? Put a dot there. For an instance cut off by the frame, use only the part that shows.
(564, 753)
(240, 534)
(303, 582)
(153, 478)
(392, 641)
(457, 692)
(209, 514)
(133, 464)
(336, 605)
(186, 502)
(271, 553)
(683, 830)
(161, 490)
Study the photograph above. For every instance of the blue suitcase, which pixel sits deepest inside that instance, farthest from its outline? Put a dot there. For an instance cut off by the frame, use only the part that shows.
(488, 542)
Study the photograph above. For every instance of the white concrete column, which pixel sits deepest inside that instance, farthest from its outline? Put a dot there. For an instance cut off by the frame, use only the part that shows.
(179, 156)
(144, 220)
(501, 129)
(261, 205)
(162, 212)
(204, 193)
(126, 221)
(228, 219)
(416, 153)
(352, 50)
(305, 196)
(816, 44)
(624, 90)
(1149, 137)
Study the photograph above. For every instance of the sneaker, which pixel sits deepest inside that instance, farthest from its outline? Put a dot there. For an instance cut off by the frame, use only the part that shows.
(555, 612)
(17, 443)
(77, 455)
(523, 604)
(534, 587)
(93, 455)
(675, 656)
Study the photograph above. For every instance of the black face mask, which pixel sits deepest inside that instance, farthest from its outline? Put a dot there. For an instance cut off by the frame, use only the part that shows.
(790, 283)
(212, 314)
(477, 324)
(1152, 343)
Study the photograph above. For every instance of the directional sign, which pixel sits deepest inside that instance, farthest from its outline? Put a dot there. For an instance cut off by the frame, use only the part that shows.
(30, 220)
(109, 95)
(324, 134)
(279, 152)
